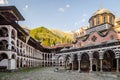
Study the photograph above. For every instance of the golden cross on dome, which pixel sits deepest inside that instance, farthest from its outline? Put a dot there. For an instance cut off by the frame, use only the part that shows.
(3, 2)
(100, 5)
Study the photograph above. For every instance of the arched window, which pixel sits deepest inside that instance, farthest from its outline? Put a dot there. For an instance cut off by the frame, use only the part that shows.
(3, 45)
(98, 20)
(110, 19)
(3, 56)
(17, 43)
(104, 19)
(3, 32)
(13, 34)
(13, 56)
(92, 22)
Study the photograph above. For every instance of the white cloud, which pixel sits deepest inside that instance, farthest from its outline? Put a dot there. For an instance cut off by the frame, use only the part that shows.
(61, 10)
(84, 15)
(26, 7)
(65, 25)
(67, 6)
(3, 2)
(83, 20)
(76, 24)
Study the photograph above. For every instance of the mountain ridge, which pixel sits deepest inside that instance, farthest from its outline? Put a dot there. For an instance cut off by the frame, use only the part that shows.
(49, 37)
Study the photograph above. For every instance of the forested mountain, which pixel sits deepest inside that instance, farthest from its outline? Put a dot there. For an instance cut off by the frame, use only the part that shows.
(50, 37)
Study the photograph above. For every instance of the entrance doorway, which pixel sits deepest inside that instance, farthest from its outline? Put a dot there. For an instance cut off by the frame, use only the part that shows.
(94, 67)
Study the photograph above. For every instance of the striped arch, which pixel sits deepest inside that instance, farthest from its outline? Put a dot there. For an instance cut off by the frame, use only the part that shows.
(85, 63)
(109, 61)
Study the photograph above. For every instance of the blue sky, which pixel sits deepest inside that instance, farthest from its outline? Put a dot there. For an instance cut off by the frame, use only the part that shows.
(65, 15)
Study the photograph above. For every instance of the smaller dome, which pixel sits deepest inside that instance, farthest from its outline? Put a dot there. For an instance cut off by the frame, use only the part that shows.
(117, 19)
(101, 11)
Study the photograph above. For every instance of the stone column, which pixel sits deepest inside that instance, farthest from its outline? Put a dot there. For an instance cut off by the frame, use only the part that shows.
(9, 39)
(65, 65)
(44, 60)
(47, 60)
(101, 61)
(72, 65)
(79, 60)
(19, 63)
(56, 63)
(91, 63)
(52, 60)
(101, 65)
(64, 61)
(72, 59)
(59, 62)
(117, 63)
(9, 64)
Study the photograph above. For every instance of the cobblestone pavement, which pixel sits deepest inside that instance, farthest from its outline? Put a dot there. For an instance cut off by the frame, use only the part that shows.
(49, 74)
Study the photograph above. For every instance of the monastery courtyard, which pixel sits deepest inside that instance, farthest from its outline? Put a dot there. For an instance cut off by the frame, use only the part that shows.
(49, 74)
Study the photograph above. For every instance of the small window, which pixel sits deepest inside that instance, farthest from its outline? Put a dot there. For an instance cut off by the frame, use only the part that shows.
(92, 22)
(104, 19)
(110, 19)
(98, 21)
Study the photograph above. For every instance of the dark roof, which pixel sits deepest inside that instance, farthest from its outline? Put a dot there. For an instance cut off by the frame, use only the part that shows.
(11, 11)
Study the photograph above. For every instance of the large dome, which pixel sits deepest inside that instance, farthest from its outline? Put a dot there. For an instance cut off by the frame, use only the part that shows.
(117, 19)
(101, 11)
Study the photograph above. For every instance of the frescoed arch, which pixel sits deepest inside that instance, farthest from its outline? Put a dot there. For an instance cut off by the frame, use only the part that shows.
(3, 61)
(109, 61)
(85, 63)
(3, 45)
(75, 62)
(96, 61)
(3, 32)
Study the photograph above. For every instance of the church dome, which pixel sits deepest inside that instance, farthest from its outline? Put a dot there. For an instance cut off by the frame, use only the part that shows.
(117, 19)
(101, 17)
(101, 11)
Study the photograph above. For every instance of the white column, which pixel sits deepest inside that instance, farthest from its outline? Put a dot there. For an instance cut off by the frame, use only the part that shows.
(65, 64)
(79, 70)
(117, 69)
(9, 64)
(9, 39)
(72, 66)
(101, 61)
(19, 63)
(91, 61)
(59, 62)
(56, 62)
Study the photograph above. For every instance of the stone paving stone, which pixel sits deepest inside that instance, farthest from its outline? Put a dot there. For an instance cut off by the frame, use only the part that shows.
(49, 74)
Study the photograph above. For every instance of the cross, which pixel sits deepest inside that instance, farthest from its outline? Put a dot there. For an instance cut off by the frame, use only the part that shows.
(3, 2)
(100, 5)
